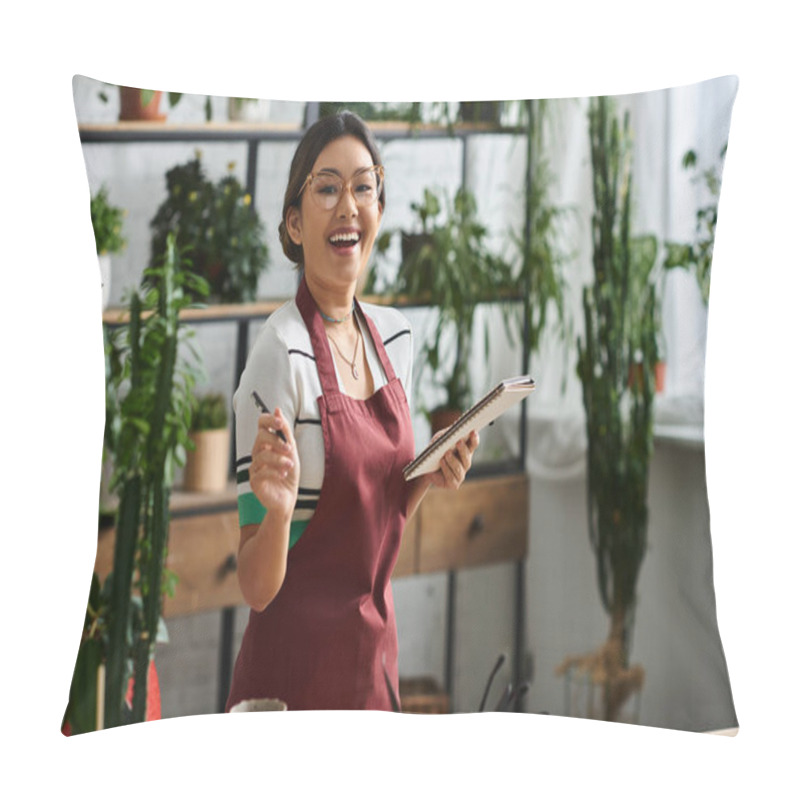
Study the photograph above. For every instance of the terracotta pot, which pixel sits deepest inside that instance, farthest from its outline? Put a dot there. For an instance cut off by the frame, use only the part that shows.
(153, 697)
(661, 376)
(207, 465)
(636, 374)
(132, 110)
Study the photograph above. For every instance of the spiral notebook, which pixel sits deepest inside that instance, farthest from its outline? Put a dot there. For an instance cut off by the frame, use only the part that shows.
(506, 394)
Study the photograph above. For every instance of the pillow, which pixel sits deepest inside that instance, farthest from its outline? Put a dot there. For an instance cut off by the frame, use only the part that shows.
(660, 652)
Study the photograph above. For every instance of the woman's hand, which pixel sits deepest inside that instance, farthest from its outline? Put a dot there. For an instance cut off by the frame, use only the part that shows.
(455, 463)
(275, 468)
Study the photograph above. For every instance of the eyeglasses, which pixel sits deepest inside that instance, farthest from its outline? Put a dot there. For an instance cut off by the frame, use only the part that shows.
(326, 188)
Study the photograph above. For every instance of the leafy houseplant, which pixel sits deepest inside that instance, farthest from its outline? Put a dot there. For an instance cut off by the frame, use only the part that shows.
(107, 226)
(143, 105)
(696, 256)
(106, 223)
(153, 384)
(379, 112)
(481, 112)
(217, 226)
(207, 461)
(450, 265)
(620, 332)
(540, 272)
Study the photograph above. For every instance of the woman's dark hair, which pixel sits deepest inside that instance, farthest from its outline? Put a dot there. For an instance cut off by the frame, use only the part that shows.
(315, 140)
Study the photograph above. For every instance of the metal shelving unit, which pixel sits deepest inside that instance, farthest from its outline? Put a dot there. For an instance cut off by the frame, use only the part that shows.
(254, 135)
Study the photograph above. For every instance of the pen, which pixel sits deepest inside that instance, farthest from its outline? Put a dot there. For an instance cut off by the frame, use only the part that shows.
(260, 403)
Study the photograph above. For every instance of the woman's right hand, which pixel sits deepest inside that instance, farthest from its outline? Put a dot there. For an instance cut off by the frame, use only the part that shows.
(275, 466)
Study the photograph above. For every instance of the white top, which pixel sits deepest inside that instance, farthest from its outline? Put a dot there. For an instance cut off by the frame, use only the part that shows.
(281, 367)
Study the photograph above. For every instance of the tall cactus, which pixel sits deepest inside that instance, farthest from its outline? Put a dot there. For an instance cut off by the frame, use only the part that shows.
(616, 365)
(154, 417)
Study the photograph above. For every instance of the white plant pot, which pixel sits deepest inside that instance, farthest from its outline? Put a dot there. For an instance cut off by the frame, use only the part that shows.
(207, 465)
(248, 110)
(259, 704)
(105, 277)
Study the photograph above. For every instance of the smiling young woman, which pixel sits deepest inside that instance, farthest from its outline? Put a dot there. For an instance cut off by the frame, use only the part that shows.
(322, 498)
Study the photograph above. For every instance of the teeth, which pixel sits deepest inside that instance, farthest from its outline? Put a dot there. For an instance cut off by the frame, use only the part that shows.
(344, 237)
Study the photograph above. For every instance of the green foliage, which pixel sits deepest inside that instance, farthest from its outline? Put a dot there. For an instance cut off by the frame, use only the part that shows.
(616, 364)
(173, 98)
(107, 223)
(481, 112)
(450, 265)
(541, 262)
(379, 112)
(218, 228)
(151, 399)
(209, 412)
(696, 256)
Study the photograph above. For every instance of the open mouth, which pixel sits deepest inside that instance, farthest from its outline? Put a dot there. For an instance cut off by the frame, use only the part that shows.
(345, 240)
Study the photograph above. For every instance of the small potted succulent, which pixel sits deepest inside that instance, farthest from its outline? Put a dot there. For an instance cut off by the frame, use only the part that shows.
(217, 229)
(207, 464)
(107, 226)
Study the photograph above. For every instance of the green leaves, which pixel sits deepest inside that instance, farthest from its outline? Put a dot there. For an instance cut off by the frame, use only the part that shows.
(82, 709)
(217, 227)
(148, 408)
(616, 364)
(209, 412)
(696, 256)
(106, 223)
(450, 265)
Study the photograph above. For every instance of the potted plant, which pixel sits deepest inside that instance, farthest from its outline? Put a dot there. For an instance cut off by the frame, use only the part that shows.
(373, 112)
(248, 109)
(123, 620)
(207, 461)
(448, 264)
(541, 262)
(144, 105)
(696, 256)
(218, 228)
(620, 332)
(484, 112)
(107, 226)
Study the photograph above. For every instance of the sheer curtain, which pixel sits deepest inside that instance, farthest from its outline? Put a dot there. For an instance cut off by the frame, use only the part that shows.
(665, 124)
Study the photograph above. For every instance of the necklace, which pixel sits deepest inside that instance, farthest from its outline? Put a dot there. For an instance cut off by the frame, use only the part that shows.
(338, 321)
(351, 362)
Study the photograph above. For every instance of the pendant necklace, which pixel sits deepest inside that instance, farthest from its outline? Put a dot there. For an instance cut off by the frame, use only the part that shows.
(352, 363)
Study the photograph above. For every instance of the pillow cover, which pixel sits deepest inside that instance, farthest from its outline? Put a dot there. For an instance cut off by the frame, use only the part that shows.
(657, 653)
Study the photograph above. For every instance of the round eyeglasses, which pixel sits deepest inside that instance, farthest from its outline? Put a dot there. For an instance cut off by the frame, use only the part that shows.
(326, 188)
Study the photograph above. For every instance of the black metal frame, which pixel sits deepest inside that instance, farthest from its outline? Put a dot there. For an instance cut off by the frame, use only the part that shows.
(253, 137)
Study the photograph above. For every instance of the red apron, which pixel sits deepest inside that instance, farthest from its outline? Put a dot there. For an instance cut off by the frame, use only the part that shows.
(324, 640)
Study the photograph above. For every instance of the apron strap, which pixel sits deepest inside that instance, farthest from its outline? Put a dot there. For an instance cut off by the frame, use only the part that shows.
(319, 340)
(388, 370)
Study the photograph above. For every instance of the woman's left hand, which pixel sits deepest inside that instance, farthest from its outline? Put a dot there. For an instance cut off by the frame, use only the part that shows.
(455, 464)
